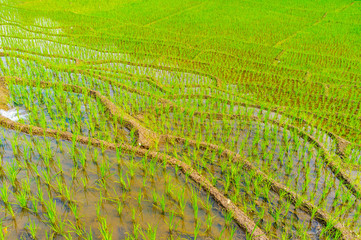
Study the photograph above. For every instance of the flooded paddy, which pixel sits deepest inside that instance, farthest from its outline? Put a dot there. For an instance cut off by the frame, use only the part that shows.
(110, 131)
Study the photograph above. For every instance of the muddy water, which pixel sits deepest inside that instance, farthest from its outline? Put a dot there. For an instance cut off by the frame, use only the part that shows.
(90, 190)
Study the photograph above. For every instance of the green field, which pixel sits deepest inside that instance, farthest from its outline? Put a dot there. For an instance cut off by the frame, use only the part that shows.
(193, 119)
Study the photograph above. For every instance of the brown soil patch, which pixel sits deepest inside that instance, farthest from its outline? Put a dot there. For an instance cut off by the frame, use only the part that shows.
(4, 97)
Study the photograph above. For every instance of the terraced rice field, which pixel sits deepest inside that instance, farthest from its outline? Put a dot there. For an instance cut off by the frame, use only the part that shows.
(180, 119)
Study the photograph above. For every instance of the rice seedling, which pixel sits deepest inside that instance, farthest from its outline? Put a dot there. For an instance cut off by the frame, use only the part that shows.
(105, 232)
(23, 195)
(32, 228)
(4, 193)
(152, 232)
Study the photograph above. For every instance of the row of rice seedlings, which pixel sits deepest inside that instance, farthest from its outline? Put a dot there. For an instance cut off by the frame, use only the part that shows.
(315, 61)
(137, 30)
(197, 90)
(112, 188)
(33, 70)
(11, 16)
(64, 46)
(274, 149)
(232, 107)
(304, 170)
(207, 105)
(350, 132)
(11, 29)
(209, 123)
(332, 125)
(270, 211)
(55, 54)
(43, 74)
(18, 67)
(132, 103)
(76, 113)
(56, 60)
(14, 65)
(252, 56)
(165, 77)
(352, 155)
(46, 45)
(105, 89)
(123, 79)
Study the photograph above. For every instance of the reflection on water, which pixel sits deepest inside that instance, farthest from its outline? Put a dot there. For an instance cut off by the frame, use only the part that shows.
(14, 114)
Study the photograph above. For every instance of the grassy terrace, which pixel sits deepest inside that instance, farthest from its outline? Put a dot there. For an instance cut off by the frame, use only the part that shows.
(188, 119)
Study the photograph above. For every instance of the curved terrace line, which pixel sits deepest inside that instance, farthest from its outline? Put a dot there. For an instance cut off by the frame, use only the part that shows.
(194, 48)
(335, 167)
(240, 217)
(102, 78)
(180, 59)
(277, 187)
